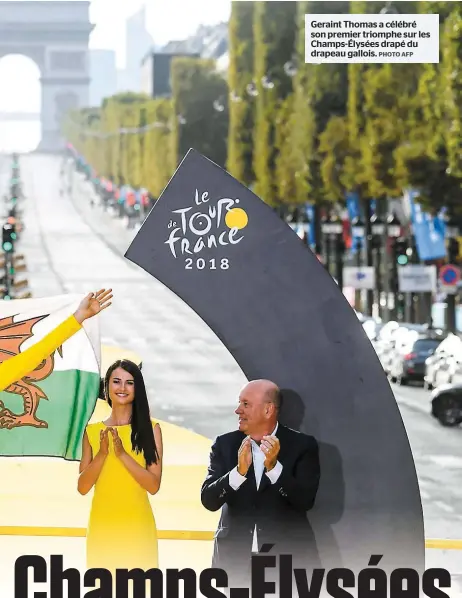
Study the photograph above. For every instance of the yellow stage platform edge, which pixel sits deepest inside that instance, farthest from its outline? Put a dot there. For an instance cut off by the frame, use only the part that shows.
(80, 532)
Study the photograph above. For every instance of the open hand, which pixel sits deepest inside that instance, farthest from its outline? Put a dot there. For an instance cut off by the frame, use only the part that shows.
(93, 304)
(244, 456)
(271, 447)
(118, 446)
(104, 442)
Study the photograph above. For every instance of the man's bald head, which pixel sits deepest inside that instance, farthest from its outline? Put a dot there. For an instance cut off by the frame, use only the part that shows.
(266, 391)
(259, 405)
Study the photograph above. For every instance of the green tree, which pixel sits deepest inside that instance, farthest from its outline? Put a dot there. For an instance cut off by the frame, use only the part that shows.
(90, 130)
(303, 130)
(451, 86)
(283, 162)
(122, 148)
(430, 161)
(320, 94)
(355, 113)
(241, 110)
(111, 126)
(275, 33)
(197, 124)
(389, 99)
(159, 160)
(436, 186)
(72, 128)
(379, 112)
(334, 149)
(131, 164)
(129, 139)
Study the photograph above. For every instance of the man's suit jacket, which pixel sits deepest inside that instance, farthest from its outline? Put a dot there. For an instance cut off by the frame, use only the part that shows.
(278, 510)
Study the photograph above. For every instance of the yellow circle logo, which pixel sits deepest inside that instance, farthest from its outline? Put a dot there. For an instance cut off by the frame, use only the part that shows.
(236, 218)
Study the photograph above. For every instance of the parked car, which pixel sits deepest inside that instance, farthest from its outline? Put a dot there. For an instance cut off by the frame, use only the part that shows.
(446, 404)
(397, 336)
(384, 341)
(439, 315)
(431, 365)
(445, 367)
(407, 361)
(372, 327)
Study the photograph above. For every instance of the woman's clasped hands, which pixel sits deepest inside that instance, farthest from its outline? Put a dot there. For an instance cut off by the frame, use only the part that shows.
(104, 442)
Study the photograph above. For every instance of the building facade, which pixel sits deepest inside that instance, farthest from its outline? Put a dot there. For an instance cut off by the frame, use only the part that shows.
(103, 73)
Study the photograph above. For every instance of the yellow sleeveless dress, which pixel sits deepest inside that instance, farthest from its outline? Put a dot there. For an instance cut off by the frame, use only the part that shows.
(122, 531)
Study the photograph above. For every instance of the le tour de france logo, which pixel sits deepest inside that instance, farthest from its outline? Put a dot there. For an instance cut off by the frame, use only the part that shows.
(206, 224)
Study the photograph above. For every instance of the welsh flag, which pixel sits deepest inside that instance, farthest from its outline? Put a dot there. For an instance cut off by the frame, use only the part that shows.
(45, 413)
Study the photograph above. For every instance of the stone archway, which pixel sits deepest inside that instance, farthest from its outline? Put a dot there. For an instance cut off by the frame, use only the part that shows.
(55, 36)
(64, 102)
(20, 104)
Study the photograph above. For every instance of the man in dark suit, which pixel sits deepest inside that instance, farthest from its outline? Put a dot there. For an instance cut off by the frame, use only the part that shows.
(264, 477)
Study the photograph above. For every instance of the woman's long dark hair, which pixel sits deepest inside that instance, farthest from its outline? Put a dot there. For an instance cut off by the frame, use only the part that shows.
(142, 433)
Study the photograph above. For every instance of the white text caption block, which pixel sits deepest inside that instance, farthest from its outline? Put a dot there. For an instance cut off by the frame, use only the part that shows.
(372, 38)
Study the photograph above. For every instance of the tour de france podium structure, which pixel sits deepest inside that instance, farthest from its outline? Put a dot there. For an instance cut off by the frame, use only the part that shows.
(281, 316)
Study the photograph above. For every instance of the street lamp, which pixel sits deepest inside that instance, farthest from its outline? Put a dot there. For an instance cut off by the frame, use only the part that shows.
(291, 218)
(357, 227)
(326, 223)
(305, 223)
(394, 233)
(292, 222)
(290, 68)
(251, 89)
(389, 9)
(452, 228)
(393, 227)
(267, 83)
(452, 232)
(332, 230)
(358, 232)
(336, 233)
(336, 227)
(378, 229)
(234, 97)
(377, 226)
(331, 225)
(218, 105)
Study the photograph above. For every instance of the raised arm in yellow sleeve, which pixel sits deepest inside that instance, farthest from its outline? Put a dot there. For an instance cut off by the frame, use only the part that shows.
(17, 367)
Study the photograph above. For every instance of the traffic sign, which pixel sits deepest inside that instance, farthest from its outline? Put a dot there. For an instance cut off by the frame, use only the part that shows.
(417, 278)
(359, 278)
(449, 275)
(448, 290)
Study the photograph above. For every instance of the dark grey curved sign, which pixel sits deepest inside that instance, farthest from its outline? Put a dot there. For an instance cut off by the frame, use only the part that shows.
(268, 299)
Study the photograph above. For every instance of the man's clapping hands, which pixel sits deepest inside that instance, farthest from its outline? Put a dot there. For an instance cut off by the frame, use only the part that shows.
(269, 445)
(244, 456)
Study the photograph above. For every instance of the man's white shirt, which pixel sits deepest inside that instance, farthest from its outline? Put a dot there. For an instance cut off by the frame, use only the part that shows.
(258, 457)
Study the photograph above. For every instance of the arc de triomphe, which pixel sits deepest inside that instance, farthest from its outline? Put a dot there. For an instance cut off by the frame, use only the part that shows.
(55, 36)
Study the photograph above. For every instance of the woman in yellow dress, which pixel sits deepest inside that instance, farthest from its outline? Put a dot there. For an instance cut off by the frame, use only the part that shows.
(17, 367)
(122, 459)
